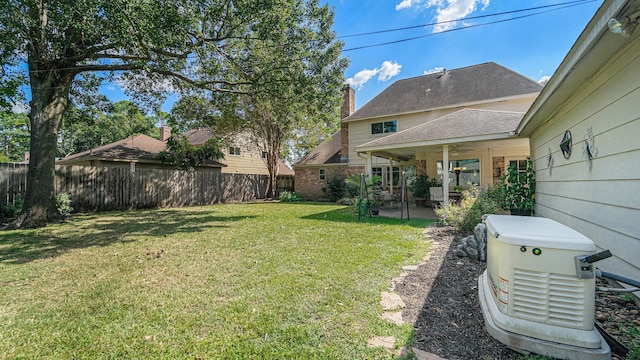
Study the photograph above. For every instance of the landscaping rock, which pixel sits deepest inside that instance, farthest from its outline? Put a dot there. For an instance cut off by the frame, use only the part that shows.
(474, 246)
(387, 342)
(393, 316)
(423, 355)
(391, 301)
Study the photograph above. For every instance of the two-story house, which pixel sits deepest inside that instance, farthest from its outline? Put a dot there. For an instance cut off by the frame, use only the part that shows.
(457, 126)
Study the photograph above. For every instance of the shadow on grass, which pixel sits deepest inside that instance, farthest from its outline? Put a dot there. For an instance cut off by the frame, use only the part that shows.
(445, 309)
(347, 215)
(103, 229)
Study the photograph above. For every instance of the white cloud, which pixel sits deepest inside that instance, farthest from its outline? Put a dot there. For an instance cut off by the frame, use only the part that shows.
(403, 5)
(455, 10)
(388, 70)
(20, 108)
(385, 72)
(361, 78)
(447, 11)
(544, 80)
(436, 69)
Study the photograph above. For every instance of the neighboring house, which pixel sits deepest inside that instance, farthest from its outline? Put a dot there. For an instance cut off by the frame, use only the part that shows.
(594, 96)
(241, 155)
(133, 152)
(462, 119)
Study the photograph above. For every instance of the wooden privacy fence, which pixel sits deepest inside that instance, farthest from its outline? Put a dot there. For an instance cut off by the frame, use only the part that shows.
(283, 183)
(112, 188)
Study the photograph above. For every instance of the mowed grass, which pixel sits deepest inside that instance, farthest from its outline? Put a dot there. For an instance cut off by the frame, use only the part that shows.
(233, 281)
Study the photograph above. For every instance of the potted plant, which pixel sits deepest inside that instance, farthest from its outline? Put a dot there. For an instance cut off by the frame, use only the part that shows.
(375, 201)
(419, 187)
(520, 189)
(361, 202)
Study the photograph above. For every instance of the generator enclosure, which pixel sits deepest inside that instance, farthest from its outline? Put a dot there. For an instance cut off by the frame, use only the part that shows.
(534, 286)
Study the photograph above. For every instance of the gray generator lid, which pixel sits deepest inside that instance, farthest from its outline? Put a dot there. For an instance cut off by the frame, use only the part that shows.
(536, 231)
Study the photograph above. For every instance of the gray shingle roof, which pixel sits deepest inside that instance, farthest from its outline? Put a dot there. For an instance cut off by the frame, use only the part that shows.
(138, 148)
(465, 123)
(444, 89)
(328, 152)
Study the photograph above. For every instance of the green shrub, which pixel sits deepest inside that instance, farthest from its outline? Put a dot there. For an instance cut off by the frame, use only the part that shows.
(468, 213)
(11, 210)
(63, 204)
(335, 187)
(290, 196)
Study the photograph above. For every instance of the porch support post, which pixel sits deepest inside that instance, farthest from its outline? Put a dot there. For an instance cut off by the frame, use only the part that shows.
(390, 176)
(367, 164)
(445, 173)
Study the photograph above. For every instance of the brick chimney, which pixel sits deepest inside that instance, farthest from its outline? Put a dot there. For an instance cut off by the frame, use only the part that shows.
(165, 132)
(347, 108)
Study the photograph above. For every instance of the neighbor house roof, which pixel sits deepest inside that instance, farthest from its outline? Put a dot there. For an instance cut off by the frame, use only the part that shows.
(463, 125)
(328, 152)
(139, 148)
(284, 169)
(447, 88)
(198, 136)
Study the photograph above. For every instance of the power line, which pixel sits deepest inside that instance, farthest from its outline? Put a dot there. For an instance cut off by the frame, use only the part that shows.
(566, 5)
(575, 3)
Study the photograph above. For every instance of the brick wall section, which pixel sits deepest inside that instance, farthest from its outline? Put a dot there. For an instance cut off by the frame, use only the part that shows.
(309, 185)
(498, 163)
(347, 108)
(421, 167)
(165, 132)
(344, 143)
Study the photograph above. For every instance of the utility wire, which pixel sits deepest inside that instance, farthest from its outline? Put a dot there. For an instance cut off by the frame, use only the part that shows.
(575, 3)
(571, 4)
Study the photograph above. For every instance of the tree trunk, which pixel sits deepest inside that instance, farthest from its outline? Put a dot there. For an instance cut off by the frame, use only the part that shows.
(272, 166)
(50, 98)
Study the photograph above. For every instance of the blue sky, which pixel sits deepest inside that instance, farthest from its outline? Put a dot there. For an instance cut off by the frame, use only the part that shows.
(533, 46)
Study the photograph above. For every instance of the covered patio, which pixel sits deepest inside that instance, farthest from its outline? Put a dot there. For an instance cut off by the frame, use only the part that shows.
(484, 141)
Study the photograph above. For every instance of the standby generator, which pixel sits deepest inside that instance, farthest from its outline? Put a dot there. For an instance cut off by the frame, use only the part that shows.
(538, 291)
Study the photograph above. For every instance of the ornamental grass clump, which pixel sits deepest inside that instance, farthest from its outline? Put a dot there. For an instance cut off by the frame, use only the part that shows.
(468, 213)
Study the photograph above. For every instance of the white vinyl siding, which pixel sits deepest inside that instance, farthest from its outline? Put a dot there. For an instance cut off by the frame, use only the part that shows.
(601, 201)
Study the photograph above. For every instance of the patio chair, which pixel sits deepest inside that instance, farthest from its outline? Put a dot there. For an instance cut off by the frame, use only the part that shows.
(437, 195)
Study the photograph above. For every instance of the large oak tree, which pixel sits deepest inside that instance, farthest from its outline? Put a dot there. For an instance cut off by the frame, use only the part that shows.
(155, 47)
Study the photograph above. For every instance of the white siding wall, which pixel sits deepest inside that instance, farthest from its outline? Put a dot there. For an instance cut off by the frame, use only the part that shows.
(601, 202)
(360, 131)
(248, 162)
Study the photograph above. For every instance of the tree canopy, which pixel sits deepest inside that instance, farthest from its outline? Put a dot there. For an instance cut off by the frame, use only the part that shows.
(229, 48)
(88, 127)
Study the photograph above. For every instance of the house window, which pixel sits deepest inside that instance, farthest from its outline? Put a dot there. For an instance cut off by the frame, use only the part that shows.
(234, 150)
(322, 174)
(376, 172)
(396, 176)
(264, 154)
(384, 127)
(461, 172)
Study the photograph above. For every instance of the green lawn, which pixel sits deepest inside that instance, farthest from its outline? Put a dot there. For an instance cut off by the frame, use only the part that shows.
(255, 281)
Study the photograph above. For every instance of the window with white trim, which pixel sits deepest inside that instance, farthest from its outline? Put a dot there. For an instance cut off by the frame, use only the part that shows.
(234, 150)
(384, 127)
(322, 174)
